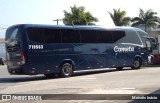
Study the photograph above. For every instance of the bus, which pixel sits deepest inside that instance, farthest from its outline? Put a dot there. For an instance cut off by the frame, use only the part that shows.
(50, 49)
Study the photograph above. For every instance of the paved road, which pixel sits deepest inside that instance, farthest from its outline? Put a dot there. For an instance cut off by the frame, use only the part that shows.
(145, 80)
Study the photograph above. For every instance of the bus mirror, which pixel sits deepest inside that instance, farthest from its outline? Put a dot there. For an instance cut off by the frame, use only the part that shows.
(154, 42)
(150, 49)
(148, 46)
(154, 46)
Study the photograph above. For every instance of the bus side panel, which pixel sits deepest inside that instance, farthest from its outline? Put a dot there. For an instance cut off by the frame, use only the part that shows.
(85, 56)
(125, 58)
(94, 56)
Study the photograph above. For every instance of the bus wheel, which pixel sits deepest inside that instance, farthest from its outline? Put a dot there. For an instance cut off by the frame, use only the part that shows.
(66, 70)
(119, 68)
(136, 64)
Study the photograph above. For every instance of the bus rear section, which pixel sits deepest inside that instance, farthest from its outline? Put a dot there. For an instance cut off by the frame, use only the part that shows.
(14, 53)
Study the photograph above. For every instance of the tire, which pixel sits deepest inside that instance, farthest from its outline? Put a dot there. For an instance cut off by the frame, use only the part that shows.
(66, 70)
(119, 68)
(136, 64)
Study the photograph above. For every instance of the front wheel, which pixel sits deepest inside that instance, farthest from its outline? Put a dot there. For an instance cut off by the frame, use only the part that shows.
(136, 64)
(66, 70)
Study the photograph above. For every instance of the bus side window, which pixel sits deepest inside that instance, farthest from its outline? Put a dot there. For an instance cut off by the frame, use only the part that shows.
(88, 36)
(36, 35)
(52, 35)
(118, 36)
(105, 36)
(70, 36)
(142, 36)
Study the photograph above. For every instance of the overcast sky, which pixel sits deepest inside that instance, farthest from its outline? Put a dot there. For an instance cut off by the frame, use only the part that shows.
(45, 11)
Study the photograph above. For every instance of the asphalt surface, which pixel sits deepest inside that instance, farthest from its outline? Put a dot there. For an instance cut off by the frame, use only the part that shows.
(107, 81)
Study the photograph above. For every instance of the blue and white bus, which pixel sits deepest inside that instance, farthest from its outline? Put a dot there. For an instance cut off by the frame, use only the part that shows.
(48, 49)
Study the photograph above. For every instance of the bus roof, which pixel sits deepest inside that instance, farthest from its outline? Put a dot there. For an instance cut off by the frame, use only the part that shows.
(95, 27)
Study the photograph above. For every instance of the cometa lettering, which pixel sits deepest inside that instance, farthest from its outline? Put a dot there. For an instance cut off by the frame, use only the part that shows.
(123, 49)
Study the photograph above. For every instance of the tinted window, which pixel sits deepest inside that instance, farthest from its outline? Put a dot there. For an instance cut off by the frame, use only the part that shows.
(142, 36)
(129, 36)
(12, 33)
(132, 37)
(70, 36)
(104, 36)
(35, 34)
(52, 35)
(88, 36)
(117, 35)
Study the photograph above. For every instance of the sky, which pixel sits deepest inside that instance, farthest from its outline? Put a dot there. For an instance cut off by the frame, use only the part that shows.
(45, 11)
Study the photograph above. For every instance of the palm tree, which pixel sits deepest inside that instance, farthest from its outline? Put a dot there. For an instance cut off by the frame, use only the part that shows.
(119, 18)
(148, 19)
(78, 16)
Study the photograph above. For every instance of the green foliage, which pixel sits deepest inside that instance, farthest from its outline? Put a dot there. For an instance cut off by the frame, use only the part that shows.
(148, 19)
(78, 16)
(119, 18)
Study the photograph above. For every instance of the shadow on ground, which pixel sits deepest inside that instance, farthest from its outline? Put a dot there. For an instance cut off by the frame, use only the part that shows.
(12, 79)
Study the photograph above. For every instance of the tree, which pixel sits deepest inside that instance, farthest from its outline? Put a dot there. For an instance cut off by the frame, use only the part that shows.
(148, 19)
(119, 18)
(78, 16)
